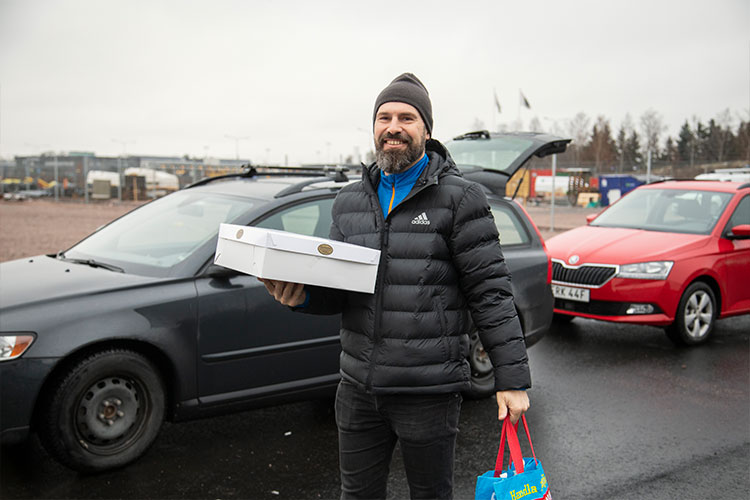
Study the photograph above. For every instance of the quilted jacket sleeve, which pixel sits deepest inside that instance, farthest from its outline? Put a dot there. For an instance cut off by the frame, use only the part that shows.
(485, 282)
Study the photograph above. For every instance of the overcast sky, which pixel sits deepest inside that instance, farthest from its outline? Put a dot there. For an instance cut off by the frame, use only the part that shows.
(296, 80)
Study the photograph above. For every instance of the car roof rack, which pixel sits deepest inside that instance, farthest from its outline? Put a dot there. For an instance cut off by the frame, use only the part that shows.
(335, 174)
(743, 186)
(249, 171)
(479, 134)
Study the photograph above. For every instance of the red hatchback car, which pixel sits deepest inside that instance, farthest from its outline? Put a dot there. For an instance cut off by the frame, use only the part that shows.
(674, 254)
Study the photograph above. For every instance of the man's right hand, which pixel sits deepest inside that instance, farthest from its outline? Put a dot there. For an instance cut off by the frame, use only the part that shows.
(289, 294)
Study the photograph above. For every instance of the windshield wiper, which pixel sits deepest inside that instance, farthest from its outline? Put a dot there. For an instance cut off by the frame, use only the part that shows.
(92, 263)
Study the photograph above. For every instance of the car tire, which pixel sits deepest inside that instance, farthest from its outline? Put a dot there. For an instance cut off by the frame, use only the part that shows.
(696, 315)
(482, 374)
(103, 412)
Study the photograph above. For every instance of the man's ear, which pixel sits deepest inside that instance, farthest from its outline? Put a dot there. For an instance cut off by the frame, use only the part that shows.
(429, 136)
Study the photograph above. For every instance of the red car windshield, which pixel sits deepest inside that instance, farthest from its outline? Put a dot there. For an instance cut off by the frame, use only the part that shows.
(666, 210)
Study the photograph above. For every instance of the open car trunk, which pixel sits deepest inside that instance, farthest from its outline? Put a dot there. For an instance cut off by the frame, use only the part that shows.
(491, 159)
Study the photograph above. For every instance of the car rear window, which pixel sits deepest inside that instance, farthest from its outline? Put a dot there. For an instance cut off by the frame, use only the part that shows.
(511, 229)
(497, 153)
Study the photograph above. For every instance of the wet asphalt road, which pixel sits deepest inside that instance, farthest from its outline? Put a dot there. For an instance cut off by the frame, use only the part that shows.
(617, 413)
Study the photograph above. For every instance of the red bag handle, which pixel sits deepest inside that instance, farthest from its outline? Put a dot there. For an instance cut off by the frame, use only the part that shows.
(516, 457)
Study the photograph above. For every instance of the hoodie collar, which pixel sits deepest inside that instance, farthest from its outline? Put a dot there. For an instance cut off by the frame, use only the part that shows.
(408, 176)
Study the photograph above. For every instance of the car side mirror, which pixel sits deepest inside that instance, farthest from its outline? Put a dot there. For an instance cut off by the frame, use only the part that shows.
(739, 232)
(591, 217)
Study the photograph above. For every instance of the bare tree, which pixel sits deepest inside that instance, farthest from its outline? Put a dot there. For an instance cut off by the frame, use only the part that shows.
(558, 129)
(743, 138)
(626, 129)
(602, 146)
(578, 128)
(652, 126)
(723, 133)
(478, 125)
(535, 125)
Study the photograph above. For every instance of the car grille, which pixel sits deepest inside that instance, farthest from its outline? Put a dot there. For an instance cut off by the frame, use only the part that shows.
(589, 275)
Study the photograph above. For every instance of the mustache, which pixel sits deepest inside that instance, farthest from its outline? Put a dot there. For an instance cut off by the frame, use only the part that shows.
(397, 136)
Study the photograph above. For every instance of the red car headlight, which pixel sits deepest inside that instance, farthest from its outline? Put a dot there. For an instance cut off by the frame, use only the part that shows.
(657, 270)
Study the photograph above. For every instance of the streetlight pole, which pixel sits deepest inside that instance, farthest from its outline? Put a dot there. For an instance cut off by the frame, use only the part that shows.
(236, 140)
(368, 144)
(552, 201)
(86, 179)
(57, 181)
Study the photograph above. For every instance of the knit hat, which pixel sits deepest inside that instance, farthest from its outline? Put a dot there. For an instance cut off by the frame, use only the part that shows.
(408, 89)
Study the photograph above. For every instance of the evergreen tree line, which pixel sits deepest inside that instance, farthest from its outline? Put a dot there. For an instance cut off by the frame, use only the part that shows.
(697, 147)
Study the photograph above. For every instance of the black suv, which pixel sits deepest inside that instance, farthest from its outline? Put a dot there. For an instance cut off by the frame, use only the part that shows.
(135, 324)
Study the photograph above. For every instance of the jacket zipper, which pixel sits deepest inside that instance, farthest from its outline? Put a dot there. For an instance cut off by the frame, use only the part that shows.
(378, 280)
(381, 267)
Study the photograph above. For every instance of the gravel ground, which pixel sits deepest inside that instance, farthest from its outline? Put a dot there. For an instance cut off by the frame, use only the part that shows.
(34, 227)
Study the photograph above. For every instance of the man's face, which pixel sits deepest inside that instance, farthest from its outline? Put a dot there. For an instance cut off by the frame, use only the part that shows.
(400, 137)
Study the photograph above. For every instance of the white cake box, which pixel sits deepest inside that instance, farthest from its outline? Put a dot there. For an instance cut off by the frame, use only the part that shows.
(284, 256)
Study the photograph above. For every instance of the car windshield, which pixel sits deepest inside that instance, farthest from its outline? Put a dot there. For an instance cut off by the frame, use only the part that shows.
(666, 210)
(497, 153)
(156, 237)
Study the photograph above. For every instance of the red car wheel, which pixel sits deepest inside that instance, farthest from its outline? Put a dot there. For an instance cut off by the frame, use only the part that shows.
(696, 315)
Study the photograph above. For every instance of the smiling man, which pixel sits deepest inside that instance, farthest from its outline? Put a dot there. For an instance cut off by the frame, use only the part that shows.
(405, 348)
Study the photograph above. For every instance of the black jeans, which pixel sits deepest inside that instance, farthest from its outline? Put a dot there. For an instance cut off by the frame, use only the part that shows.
(369, 426)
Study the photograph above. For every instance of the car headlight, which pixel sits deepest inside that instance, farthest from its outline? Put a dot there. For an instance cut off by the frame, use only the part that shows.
(658, 270)
(12, 346)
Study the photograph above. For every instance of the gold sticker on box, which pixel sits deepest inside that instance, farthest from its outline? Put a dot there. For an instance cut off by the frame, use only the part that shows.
(325, 249)
(240, 233)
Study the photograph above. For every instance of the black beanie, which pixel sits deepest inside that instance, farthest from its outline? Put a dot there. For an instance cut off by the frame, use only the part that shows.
(408, 89)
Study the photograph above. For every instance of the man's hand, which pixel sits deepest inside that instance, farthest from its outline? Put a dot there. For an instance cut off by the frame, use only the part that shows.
(515, 402)
(289, 294)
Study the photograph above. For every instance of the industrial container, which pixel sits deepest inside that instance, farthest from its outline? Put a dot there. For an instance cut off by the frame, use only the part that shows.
(612, 187)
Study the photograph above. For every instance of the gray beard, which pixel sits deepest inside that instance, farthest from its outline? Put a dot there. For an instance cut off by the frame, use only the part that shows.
(395, 162)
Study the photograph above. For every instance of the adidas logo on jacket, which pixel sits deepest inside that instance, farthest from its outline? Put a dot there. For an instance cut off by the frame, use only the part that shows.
(421, 219)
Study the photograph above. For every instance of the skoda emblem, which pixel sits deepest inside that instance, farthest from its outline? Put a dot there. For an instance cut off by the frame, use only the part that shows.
(240, 233)
(573, 259)
(325, 249)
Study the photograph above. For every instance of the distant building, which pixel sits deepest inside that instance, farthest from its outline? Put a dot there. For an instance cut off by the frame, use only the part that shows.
(73, 168)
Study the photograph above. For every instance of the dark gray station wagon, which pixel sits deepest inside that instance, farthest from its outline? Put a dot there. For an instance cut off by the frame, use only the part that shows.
(133, 325)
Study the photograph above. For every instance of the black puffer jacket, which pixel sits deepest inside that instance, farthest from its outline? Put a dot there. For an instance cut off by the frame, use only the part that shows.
(440, 259)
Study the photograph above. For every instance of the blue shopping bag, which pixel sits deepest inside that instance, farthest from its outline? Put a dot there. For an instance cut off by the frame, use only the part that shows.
(523, 480)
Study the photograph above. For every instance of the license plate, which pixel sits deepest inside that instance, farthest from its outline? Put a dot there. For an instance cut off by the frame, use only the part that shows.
(570, 293)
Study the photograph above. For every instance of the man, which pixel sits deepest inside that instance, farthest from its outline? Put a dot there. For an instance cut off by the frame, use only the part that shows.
(404, 359)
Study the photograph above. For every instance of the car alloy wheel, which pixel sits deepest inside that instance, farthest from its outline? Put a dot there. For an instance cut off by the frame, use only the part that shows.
(696, 315)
